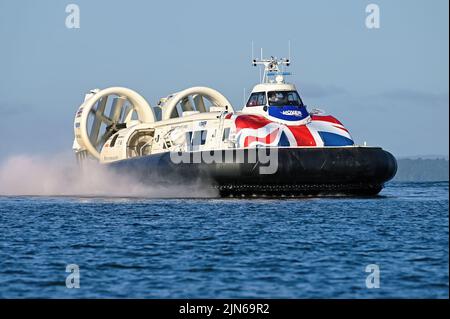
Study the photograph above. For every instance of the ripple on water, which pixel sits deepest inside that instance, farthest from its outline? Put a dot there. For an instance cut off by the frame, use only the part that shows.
(223, 248)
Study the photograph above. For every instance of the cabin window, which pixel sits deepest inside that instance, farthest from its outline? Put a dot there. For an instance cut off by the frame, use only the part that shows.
(189, 137)
(199, 137)
(226, 134)
(257, 99)
(283, 98)
(196, 139)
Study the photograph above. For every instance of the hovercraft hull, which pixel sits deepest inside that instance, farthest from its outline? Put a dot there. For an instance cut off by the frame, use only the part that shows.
(298, 171)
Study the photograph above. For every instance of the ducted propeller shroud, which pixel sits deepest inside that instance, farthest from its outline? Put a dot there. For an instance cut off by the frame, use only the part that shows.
(193, 99)
(93, 127)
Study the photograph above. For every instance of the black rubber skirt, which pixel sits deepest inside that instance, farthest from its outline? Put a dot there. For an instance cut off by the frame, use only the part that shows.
(270, 172)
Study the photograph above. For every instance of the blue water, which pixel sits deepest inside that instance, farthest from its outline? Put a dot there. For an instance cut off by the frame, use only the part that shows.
(221, 248)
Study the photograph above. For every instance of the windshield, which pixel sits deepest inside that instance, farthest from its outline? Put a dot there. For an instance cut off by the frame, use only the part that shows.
(283, 98)
(257, 99)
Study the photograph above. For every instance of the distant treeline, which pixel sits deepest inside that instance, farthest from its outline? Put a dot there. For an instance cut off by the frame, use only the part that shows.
(422, 170)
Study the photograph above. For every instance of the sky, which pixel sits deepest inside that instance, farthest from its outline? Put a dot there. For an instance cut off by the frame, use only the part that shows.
(389, 86)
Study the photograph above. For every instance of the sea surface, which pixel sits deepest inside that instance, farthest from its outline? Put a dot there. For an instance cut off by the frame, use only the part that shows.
(228, 248)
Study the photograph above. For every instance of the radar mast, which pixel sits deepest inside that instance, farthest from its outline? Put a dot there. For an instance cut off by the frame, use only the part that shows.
(273, 69)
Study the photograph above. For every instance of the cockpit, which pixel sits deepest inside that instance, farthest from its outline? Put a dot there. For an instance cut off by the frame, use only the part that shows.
(275, 98)
(257, 99)
(280, 105)
(283, 98)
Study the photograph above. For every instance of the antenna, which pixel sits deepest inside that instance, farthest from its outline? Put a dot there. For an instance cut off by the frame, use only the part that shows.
(253, 51)
(260, 75)
(289, 50)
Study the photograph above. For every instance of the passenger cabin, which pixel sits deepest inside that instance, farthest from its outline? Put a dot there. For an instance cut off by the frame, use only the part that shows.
(279, 102)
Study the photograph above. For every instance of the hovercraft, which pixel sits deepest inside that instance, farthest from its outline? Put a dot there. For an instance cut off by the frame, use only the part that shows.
(274, 146)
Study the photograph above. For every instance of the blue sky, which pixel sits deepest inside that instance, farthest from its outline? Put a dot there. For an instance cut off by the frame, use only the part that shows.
(389, 86)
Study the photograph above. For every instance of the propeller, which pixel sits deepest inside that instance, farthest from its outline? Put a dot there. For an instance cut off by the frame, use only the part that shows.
(199, 102)
(106, 112)
(193, 99)
(111, 123)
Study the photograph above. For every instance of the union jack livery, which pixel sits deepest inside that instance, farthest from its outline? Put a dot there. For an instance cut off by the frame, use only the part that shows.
(255, 130)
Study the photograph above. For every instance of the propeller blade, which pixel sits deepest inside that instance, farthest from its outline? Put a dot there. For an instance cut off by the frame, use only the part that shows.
(128, 113)
(105, 119)
(186, 104)
(116, 109)
(101, 105)
(199, 103)
(174, 113)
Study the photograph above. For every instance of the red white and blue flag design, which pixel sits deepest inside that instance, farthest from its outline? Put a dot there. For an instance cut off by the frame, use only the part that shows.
(322, 130)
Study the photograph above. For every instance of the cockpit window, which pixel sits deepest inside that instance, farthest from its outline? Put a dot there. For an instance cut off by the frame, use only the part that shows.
(282, 98)
(257, 99)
